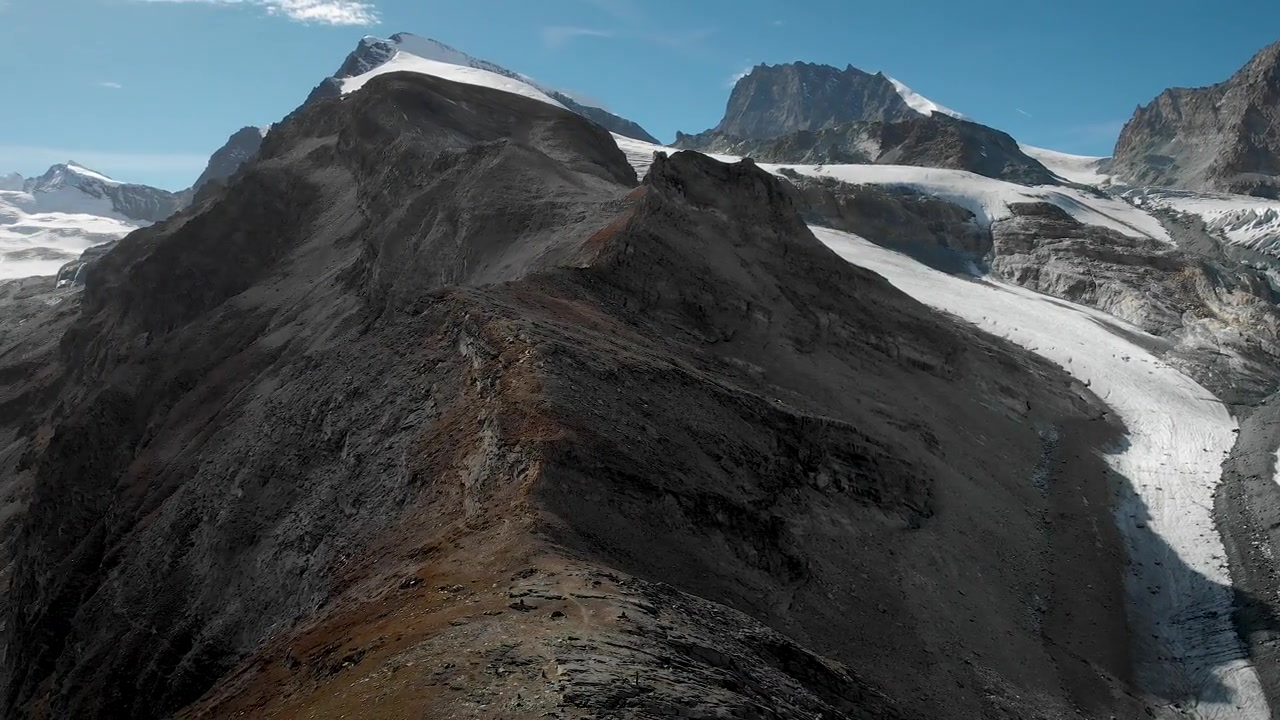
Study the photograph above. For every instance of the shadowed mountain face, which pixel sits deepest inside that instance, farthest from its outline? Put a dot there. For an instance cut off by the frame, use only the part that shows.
(1223, 138)
(433, 407)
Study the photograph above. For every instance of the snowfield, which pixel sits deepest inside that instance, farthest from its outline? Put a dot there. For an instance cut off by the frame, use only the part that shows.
(40, 232)
(1083, 169)
(1180, 593)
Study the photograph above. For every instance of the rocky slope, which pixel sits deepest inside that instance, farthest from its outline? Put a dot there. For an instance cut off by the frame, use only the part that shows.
(1223, 138)
(774, 100)
(432, 411)
(240, 148)
(374, 52)
(934, 141)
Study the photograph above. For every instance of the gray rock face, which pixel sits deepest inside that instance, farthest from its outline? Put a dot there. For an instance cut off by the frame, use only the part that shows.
(138, 202)
(934, 141)
(774, 100)
(239, 149)
(1220, 318)
(1223, 138)
(936, 232)
(374, 52)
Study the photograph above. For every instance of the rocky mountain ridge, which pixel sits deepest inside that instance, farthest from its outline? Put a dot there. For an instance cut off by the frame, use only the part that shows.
(348, 437)
(240, 148)
(775, 100)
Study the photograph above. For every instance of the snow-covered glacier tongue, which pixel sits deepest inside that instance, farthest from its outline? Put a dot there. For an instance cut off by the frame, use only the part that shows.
(1186, 649)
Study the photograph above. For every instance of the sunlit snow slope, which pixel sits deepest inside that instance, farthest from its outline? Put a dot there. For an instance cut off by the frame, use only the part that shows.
(1083, 169)
(920, 103)
(41, 231)
(406, 62)
(1179, 589)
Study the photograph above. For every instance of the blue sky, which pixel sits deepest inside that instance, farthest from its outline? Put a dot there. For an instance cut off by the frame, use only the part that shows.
(146, 89)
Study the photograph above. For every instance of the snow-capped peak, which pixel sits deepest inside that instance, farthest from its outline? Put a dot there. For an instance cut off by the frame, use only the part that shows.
(429, 49)
(12, 181)
(68, 174)
(85, 172)
(920, 103)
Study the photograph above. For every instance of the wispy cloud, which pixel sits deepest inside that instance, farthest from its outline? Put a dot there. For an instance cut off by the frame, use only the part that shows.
(36, 158)
(557, 36)
(322, 12)
(778, 23)
(108, 84)
(1020, 111)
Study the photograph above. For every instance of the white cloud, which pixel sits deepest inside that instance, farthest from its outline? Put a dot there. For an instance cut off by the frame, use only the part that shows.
(324, 12)
(110, 85)
(1020, 111)
(557, 36)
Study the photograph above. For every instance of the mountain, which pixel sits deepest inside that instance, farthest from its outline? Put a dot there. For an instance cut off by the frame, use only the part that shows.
(141, 203)
(12, 181)
(937, 140)
(453, 404)
(240, 148)
(52, 219)
(373, 53)
(775, 100)
(1222, 138)
(434, 395)
(819, 114)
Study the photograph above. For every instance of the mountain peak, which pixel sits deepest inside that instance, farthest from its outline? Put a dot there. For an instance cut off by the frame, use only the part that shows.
(373, 54)
(775, 100)
(70, 173)
(12, 181)
(1208, 138)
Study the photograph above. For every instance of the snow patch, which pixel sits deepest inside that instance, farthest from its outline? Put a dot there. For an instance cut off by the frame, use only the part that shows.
(1082, 169)
(85, 172)
(1178, 586)
(920, 103)
(407, 62)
